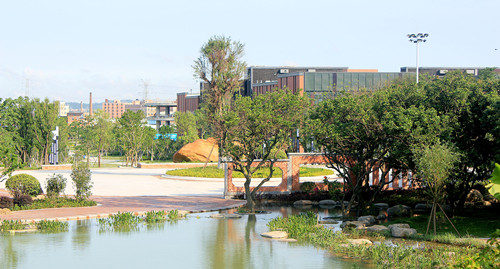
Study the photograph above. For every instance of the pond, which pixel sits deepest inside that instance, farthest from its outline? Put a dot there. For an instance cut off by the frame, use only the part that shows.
(195, 242)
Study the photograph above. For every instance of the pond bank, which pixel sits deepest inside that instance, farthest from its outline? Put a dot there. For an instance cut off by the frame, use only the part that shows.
(137, 204)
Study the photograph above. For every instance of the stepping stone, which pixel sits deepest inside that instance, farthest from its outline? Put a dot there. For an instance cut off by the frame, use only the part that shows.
(275, 234)
(290, 240)
(360, 241)
(302, 203)
(225, 216)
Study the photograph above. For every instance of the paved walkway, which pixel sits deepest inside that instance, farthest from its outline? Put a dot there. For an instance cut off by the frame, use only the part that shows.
(138, 204)
(131, 189)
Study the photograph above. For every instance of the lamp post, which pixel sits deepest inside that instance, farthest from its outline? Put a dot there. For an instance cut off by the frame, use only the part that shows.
(417, 38)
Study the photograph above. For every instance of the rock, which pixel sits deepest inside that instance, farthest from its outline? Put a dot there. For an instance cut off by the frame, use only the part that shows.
(5, 211)
(423, 207)
(381, 217)
(377, 229)
(275, 234)
(225, 216)
(198, 151)
(302, 203)
(381, 206)
(353, 224)
(328, 222)
(328, 202)
(370, 220)
(398, 211)
(483, 203)
(474, 196)
(360, 241)
(490, 198)
(402, 232)
(399, 225)
(290, 240)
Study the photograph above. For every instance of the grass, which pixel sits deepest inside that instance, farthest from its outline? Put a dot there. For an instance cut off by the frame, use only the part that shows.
(214, 172)
(403, 255)
(477, 224)
(55, 203)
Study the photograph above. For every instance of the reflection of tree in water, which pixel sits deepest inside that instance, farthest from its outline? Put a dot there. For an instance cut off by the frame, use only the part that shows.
(10, 256)
(81, 236)
(235, 246)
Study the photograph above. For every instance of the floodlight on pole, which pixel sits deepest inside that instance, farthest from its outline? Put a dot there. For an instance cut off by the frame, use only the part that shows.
(417, 38)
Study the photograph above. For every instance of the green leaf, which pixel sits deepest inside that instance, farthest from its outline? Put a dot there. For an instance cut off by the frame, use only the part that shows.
(494, 186)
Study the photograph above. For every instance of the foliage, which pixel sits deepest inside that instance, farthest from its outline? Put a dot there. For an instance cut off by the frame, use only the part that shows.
(185, 123)
(334, 189)
(488, 257)
(23, 184)
(258, 129)
(52, 226)
(173, 215)
(7, 225)
(82, 181)
(120, 220)
(6, 202)
(494, 186)
(26, 133)
(155, 216)
(307, 186)
(220, 69)
(400, 255)
(55, 185)
(56, 202)
(434, 164)
(23, 200)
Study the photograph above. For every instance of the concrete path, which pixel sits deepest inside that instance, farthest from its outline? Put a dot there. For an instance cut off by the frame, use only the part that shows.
(132, 189)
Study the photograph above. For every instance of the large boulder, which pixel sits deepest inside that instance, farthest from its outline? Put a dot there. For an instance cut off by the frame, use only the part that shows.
(370, 220)
(402, 232)
(399, 211)
(198, 151)
(474, 196)
(377, 229)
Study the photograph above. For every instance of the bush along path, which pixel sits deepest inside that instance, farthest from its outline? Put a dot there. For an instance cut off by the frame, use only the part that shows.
(371, 248)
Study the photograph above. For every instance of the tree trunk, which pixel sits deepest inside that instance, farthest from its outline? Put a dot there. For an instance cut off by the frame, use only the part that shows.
(248, 194)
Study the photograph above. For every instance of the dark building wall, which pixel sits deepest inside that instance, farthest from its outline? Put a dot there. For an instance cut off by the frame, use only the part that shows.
(187, 102)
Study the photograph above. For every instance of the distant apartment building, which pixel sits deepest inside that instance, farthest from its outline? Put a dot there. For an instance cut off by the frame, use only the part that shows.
(63, 109)
(187, 102)
(74, 116)
(115, 109)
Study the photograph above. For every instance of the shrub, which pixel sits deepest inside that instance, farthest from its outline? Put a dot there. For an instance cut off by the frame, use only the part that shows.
(82, 181)
(155, 216)
(55, 185)
(6, 202)
(23, 200)
(23, 184)
(307, 186)
(334, 189)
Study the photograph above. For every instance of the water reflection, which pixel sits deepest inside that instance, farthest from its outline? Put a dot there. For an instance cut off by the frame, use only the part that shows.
(196, 242)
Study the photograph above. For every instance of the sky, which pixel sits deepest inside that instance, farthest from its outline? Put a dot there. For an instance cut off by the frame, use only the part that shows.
(62, 49)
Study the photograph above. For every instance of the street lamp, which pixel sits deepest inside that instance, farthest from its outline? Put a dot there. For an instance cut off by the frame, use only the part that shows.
(417, 38)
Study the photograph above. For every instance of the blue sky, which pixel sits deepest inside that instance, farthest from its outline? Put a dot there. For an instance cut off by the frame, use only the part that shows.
(68, 48)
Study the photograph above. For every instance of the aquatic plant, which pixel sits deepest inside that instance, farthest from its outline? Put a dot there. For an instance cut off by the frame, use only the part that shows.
(120, 220)
(52, 226)
(173, 215)
(7, 225)
(155, 216)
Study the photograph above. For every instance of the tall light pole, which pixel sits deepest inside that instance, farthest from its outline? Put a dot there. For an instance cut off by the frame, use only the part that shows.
(417, 38)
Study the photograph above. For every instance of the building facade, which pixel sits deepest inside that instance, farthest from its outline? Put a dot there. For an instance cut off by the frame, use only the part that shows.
(115, 109)
(187, 102)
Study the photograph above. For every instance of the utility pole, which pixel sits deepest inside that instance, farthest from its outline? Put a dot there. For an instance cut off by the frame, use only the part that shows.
(417, 38)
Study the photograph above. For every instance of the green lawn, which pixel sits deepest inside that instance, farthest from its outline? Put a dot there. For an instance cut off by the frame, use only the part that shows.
(214, 172)
(477, 223)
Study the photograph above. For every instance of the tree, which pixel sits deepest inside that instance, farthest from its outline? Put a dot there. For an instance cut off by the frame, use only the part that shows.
(133, 136)
(434, 164)
(220, 68)
(367, 131)
(185, 123)
(101, 132)
(9, 160)
(266, 120)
